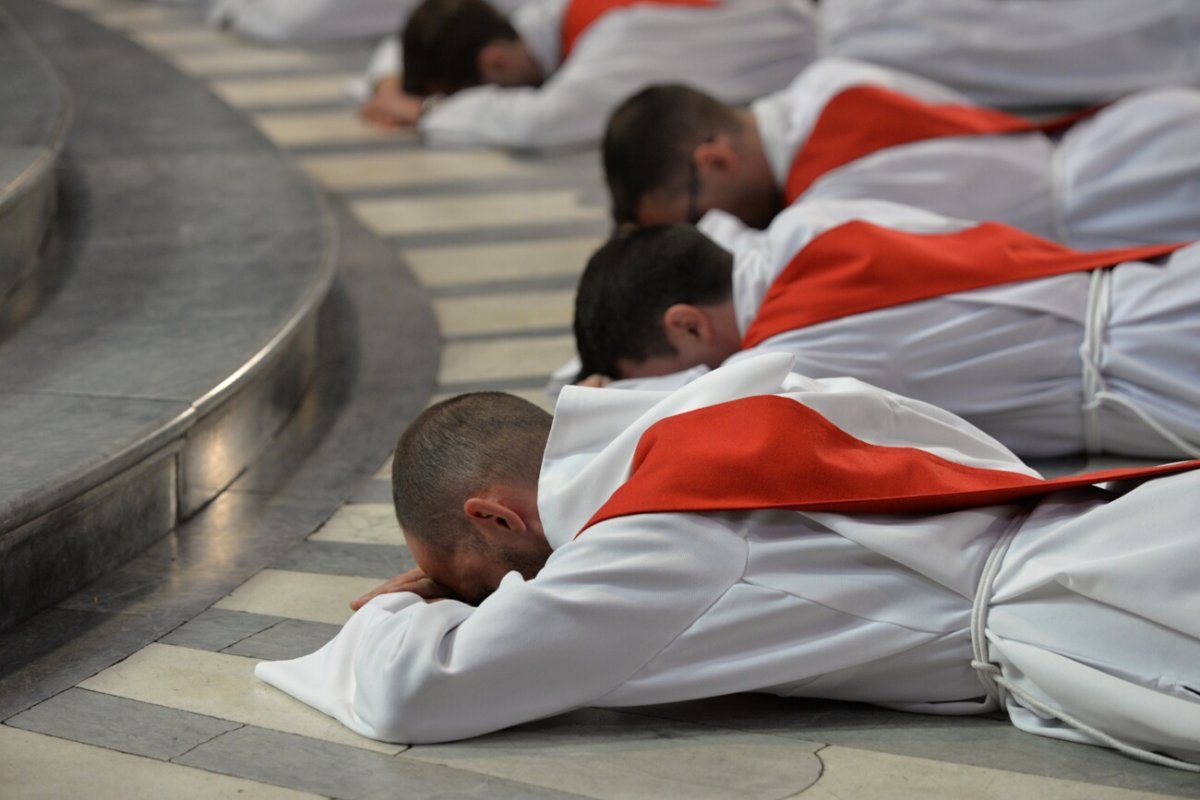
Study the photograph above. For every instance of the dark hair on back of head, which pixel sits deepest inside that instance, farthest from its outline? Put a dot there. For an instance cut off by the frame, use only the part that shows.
(456, 448)
(650, 137)
(632, 280)
(441, 43)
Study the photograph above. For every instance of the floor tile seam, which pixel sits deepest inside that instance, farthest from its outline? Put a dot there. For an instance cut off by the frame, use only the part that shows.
(502, 286)
(822, 767)
(459, 188)
(338, 147)
(296, 108)
(514, 334)
(498, 384)
(278, 621)
(240, 725)
(407, 754)
(528, 234)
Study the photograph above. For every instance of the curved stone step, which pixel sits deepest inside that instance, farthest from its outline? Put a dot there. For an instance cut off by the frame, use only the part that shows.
(194, 258)
(33, 128)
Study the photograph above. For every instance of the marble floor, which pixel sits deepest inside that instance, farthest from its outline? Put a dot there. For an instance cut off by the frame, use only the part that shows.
(497, 242)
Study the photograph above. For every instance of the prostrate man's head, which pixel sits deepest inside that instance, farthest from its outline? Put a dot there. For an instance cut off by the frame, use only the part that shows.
(464, 481)
(671, 153)
(653, 301)
(451, 45)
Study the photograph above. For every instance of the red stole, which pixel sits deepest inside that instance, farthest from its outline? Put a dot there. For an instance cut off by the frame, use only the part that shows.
(859, 267)
(769, 452)
(864, 119)
(580, 14)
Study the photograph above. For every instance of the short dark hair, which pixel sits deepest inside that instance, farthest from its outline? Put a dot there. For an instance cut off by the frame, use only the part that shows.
(441, 43)
(632, 280)
(650, 138)
(457, 447)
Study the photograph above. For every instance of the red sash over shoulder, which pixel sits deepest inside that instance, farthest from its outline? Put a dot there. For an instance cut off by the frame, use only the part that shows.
(580, 14)
(859, 267)
(864, 119)
(769, 452)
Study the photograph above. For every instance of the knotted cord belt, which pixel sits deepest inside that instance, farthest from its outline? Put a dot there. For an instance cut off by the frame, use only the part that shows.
(998, 686)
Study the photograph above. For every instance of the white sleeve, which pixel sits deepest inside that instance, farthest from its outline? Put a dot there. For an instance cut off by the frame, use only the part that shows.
(603, 606)
(568, 110)
(1022, 53)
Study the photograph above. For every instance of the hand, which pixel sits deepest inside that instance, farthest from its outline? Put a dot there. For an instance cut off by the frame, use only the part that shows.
(595, 381)
(414, 581)
(390, 107)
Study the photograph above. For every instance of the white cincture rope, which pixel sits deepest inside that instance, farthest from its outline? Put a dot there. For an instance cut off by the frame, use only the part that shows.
(1095, 391)
(989, 673)
(997, 686)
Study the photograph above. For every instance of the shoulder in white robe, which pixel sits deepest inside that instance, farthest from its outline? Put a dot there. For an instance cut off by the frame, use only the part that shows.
(1130, 175)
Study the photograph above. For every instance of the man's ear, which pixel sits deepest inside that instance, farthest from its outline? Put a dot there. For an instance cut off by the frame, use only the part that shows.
(716, 156)
(688, 328)
(492, 518)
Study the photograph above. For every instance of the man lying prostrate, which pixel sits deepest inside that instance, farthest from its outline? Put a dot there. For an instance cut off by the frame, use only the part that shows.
(308, 20)
(760, 531)
(1130, 173)
(550, 76)
(1051, 350)
(1024, 53)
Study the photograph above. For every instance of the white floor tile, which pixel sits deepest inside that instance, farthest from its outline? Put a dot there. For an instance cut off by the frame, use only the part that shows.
(363, 523)
(82, 5)
(409, 168)
(240, 59)
(490, 263)
(603, 754)
(299, 595)
(38, 767)
(504, 312)
(499, 359)
(134, 16)
(386, 470)
(173, 40)
(862, 773)
(400, 216)
(284, 91)
(222, 686)
(299, 129)
(536, 396)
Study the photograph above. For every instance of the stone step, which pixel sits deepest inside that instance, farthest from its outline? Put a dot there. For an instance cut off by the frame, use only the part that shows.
(191, 259)
(34, 121)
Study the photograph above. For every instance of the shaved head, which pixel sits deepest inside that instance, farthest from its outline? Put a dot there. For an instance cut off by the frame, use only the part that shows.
(457, 448)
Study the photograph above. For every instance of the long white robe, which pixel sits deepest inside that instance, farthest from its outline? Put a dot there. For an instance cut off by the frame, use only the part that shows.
(737, 51)
(663, 607)
(1009, 358)
(1024, 53)
(1129, 175)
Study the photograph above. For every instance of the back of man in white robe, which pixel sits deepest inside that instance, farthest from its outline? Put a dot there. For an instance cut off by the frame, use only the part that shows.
(1128, 174)
(675, 605)
(1107, 360)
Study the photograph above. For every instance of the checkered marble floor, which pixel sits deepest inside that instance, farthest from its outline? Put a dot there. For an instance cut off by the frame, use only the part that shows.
(497, 241)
